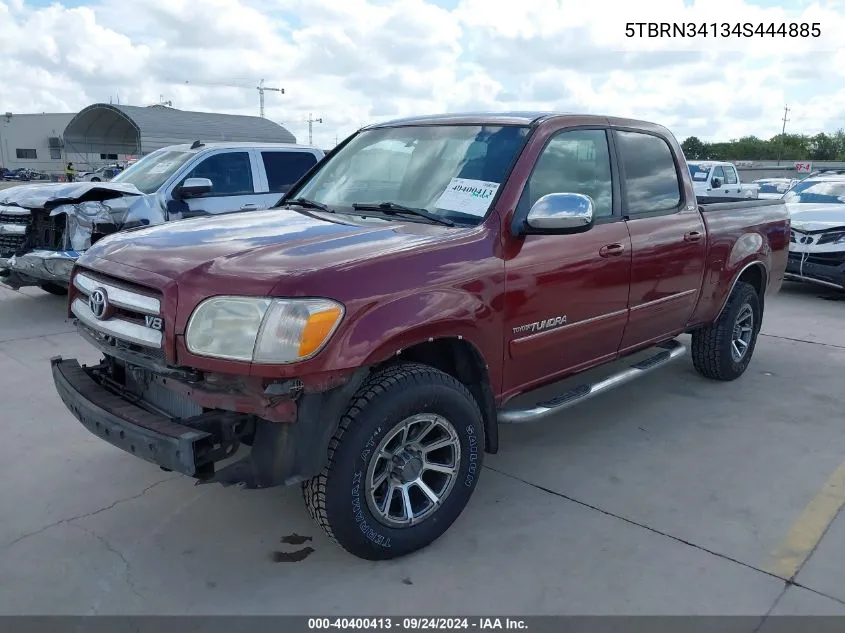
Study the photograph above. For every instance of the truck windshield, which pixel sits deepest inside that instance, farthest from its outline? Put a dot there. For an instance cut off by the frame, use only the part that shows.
(817, 191)
(152, 171)
(698, 173)
(452, 171)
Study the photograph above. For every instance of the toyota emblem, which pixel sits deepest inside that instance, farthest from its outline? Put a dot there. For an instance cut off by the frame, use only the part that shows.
(98, 302)
(807, 240)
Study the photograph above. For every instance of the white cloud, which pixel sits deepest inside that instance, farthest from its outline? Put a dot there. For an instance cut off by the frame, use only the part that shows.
(357, 61)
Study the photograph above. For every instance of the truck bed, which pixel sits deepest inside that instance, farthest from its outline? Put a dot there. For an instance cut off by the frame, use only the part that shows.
(737, 229)
(718, 203)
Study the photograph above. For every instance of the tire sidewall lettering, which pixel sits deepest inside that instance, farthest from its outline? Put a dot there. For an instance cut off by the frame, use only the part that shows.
(472, 449)
(358, 513)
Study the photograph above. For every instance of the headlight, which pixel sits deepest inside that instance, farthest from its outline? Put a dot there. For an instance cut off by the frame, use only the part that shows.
(262, 330)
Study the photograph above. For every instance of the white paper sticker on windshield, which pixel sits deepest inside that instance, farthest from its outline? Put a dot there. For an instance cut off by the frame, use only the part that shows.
(160, 168)
(700, 175)
(468, 196)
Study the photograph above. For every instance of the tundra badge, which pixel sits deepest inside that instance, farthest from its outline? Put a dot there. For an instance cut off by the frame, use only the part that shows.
(539, 326)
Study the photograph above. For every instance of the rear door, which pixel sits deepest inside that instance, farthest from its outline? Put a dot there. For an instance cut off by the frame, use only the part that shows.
(667, 238)
(281, 169)
(567, 295)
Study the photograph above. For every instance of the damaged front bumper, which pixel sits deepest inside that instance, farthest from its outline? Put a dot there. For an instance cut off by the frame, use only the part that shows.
(823, 269)
(37, 267)
(153, 438)
(199, 442)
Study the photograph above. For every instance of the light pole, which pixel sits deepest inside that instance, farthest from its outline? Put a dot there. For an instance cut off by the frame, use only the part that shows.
(311, 122)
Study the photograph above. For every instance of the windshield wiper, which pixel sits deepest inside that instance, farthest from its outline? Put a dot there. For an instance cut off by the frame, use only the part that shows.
(309, 204)
(392, 208)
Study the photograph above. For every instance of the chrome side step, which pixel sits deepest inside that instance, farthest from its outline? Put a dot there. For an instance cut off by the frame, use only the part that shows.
(670, 351)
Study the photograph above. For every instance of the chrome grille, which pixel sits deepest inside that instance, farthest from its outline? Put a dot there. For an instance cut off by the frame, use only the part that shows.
(121, 312)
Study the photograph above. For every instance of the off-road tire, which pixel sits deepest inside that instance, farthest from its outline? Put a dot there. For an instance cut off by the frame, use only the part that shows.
(336, 497)
(711, 345)
(54, 289)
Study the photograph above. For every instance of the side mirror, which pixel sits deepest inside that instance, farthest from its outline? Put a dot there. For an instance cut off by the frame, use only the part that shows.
(193, 187)
(561, 213)
(716, 183)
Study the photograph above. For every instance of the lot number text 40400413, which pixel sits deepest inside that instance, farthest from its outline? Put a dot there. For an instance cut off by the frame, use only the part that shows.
(418, 624)
(722, 29)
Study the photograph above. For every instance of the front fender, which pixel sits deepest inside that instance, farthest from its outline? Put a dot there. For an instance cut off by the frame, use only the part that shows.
(385, 329)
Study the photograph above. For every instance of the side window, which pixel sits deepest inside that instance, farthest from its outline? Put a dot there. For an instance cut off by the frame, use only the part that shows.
(719, 173)
(575, 162)
(651, 179)
(285, 168)
(730, 176)
(230, 173)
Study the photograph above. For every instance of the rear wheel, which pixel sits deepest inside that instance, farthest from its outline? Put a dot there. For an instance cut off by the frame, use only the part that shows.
(54, 289)
(723, 350)
(403, 463)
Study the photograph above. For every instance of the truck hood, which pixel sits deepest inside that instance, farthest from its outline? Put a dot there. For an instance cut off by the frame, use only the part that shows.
(42, 196)
(811, 217)
(258, 247)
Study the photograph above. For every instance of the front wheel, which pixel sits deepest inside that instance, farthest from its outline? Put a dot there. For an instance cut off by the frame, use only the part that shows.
(402, 465)
(723, 350)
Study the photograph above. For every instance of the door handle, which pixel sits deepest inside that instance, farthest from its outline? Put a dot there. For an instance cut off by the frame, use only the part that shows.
(249, 205)
(611, 250)
(692, 236)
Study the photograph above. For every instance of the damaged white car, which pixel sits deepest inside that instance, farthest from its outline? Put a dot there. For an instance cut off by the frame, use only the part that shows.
(817, 242)
(44, 228)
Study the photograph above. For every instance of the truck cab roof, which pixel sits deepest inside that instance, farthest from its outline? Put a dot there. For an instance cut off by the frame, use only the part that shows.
(509, 117)
(193, 147)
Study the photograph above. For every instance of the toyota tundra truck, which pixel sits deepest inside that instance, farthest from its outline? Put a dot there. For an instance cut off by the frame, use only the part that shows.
(367, 336)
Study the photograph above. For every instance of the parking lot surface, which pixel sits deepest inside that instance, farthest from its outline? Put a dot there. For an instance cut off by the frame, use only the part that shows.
(671, 495)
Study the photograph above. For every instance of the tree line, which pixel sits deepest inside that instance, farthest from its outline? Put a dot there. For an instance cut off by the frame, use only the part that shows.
(783, 146)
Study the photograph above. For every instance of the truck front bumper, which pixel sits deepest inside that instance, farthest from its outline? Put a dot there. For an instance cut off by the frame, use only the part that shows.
(37, 267)
(153, 438)
(281, 453)
(825, 269)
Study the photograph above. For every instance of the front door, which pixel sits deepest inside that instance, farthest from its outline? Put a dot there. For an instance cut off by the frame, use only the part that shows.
(233, 183)
(567, 295)
(668, 239)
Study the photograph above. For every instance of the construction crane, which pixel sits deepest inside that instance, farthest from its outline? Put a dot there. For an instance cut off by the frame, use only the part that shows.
(311, 122)
(260, 87)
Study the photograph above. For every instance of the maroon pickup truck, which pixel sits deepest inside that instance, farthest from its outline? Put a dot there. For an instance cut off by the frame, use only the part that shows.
(366, 337)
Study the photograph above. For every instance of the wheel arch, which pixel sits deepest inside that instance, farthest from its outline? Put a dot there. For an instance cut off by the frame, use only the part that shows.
(754, 273)
(461, 359)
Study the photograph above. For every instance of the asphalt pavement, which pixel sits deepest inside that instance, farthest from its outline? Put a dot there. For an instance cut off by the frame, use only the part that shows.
(672, 495)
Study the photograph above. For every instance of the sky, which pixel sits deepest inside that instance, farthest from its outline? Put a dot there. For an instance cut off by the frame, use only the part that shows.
(355, 62)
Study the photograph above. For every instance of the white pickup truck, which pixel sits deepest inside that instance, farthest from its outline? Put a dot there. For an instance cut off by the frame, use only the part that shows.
(715, 179)
(45, 227)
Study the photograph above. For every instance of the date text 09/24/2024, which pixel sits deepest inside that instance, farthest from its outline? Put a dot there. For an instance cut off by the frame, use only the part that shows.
(722, 29)
(418, 624)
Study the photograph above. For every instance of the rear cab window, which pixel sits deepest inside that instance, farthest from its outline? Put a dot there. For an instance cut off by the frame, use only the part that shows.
(650, 177)
(284, 168)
